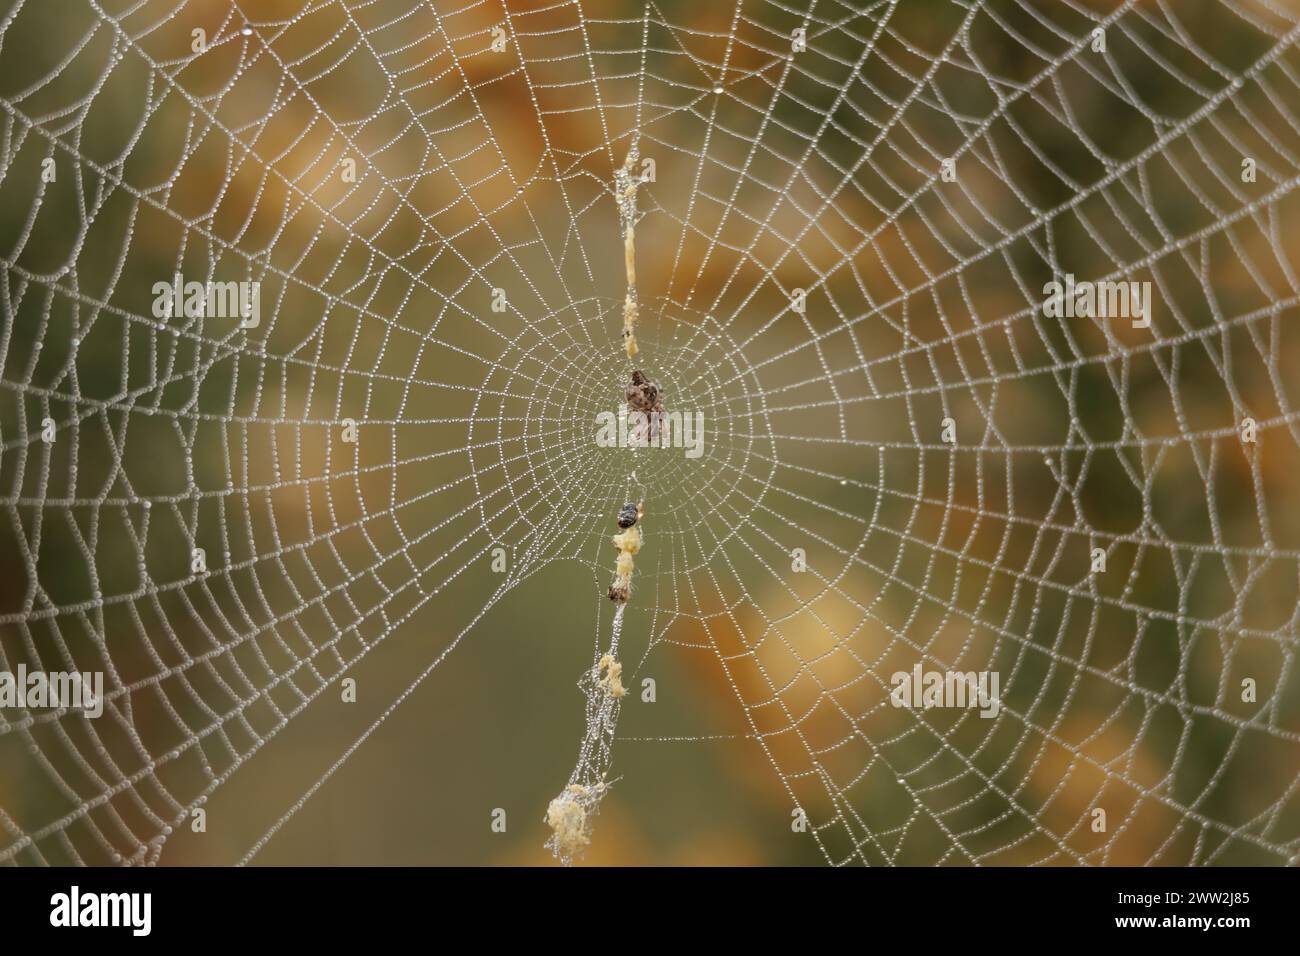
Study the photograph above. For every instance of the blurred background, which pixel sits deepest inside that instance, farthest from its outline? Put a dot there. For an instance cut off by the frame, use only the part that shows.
(382, 171)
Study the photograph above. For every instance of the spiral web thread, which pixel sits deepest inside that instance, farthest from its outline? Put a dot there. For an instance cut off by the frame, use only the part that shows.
(820, 170)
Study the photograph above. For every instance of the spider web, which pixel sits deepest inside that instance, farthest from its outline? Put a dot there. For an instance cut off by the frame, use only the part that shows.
(484, 139)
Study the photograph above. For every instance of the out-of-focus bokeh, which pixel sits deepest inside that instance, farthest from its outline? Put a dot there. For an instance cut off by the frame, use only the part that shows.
(316, 642)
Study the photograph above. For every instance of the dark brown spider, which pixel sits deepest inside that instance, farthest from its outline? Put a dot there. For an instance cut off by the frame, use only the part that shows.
(642, 393)
(645, 396)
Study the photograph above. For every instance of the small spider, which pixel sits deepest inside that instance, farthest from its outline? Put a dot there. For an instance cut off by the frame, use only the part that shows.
(644, 395)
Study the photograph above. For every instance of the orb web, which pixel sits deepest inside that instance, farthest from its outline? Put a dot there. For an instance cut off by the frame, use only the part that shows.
(843, 251)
